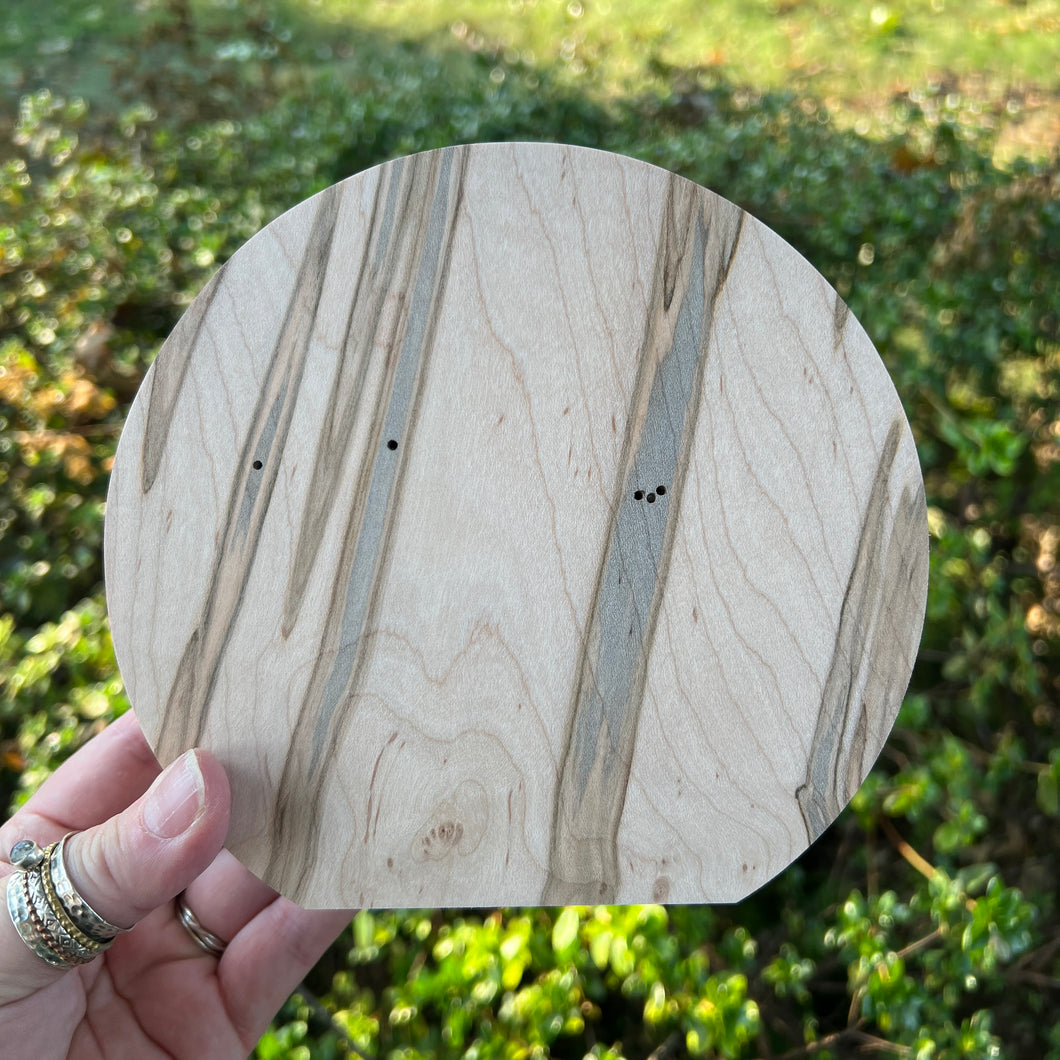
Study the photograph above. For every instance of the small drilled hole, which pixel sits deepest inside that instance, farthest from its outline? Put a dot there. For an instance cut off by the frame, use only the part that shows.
(651, 498)
(638, 495)
(392, 444)
(661, 491)
(256, 465)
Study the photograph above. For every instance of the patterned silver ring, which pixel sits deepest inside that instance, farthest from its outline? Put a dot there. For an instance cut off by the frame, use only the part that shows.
(206, 940)
(81, 913)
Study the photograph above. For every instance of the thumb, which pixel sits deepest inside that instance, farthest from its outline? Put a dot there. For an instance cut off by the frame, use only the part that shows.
(145, 856)
(134, 862)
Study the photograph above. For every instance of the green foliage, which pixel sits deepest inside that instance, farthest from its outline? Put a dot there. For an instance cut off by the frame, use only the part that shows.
(58, 686)
(529, 982)
(925, 920)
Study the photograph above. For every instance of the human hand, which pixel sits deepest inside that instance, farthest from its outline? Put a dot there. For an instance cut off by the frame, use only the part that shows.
(140, 840)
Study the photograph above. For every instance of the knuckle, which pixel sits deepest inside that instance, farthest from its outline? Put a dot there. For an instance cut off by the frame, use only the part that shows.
(100, 869)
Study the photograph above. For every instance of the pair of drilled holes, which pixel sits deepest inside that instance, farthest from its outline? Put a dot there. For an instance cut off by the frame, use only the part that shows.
(640, 495)
(391, 445)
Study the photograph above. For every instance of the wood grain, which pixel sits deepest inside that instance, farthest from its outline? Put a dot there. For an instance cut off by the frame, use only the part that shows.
(519, 524)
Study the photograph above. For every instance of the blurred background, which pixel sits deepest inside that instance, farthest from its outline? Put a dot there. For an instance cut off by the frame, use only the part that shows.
(908, 149)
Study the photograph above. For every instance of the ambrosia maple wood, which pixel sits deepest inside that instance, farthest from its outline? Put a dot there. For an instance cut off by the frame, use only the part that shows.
(519, 524)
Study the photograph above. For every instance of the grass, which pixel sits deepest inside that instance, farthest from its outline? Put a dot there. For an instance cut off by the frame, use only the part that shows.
(1002, 55)
(764, 42)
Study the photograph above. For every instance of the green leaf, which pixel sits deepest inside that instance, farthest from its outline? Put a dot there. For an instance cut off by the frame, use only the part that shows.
(363, 929)
(600, 949)
(565, 930)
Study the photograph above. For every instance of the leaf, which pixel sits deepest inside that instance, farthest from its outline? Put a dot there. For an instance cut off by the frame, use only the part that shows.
(600, 949)
(269, 1047)
(364, 929)
(565, 930)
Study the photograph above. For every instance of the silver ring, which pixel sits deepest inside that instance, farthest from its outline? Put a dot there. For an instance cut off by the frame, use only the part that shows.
(207, 941)
(41, 919)
(80, 912)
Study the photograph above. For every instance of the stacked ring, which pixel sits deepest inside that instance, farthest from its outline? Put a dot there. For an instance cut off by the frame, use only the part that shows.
(80, 912)
(205, 939)
(53, 920)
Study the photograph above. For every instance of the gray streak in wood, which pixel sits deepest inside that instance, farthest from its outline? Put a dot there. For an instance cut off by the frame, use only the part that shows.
(184, 717)
(696, 250)
(166, 385)
(861, 682)
(425, 192)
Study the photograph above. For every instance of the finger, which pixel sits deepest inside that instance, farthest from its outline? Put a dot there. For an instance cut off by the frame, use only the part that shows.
(270, 957)
(227, 896)
(100, 780)
(137, 860)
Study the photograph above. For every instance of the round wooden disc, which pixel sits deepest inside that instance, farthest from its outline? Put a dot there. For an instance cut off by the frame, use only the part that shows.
(519, 524)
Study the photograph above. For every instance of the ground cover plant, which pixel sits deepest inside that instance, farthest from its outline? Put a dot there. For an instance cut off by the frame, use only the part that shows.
(924, 923)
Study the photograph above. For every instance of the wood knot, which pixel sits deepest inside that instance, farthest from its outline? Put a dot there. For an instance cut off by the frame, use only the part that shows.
(440, 839)
(456, 825)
